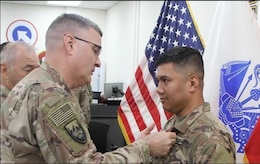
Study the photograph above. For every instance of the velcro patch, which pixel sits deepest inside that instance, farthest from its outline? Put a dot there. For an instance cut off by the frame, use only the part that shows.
(67, 123)
(76, 131)
(62, 114)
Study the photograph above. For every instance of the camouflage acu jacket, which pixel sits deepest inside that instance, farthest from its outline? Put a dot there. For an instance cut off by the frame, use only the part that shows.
(204, 139)
(84, 95)
(3, 93)
(43, 123)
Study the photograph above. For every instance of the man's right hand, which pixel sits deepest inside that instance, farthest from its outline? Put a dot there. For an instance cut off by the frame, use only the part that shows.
(160, 143)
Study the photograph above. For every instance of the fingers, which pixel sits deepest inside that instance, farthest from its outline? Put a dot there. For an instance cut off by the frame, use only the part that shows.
(146, 131)
(149, 128)
(161, 142)
(172, 135)
(170, 140)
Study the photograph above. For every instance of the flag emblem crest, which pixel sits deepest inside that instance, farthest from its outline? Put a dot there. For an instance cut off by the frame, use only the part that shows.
(75, 130)
(239, 87)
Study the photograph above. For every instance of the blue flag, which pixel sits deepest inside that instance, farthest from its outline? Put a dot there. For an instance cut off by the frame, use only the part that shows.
(232, 70)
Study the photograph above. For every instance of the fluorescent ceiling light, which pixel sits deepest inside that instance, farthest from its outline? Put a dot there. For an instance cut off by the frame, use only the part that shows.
(65, 3)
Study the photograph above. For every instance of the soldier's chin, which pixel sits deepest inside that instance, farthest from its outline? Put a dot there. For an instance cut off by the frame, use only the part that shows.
(166, 108)
(89, 80)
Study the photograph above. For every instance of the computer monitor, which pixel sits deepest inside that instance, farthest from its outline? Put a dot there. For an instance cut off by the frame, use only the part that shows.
(113, 90)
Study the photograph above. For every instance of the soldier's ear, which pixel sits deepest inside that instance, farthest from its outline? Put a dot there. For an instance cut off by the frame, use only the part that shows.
(69, 41)
(194, 82)
(4, 71)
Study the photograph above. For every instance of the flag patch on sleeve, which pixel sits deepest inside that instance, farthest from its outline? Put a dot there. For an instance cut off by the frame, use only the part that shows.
(62, 114)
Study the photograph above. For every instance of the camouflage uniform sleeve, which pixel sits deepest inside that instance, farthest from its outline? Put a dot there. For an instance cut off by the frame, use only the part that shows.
(136, 152)
(216, 149)
(85, 100)
(63, 137)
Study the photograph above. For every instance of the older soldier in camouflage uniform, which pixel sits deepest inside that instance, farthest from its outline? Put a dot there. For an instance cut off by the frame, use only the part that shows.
(17, 60)
(83, 93)
(43, 121)
(201, 136)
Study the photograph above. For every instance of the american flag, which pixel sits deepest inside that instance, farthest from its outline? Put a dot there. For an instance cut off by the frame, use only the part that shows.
(141, 106)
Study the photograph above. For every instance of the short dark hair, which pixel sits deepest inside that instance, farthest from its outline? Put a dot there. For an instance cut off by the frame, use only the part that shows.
(182, 57)
(3, 45)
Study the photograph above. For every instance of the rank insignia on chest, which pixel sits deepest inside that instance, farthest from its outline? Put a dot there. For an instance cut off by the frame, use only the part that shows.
(181, 141)
(75, 130)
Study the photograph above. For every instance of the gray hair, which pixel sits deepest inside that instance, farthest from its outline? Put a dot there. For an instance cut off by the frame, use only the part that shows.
(9, 52)
(68, 23)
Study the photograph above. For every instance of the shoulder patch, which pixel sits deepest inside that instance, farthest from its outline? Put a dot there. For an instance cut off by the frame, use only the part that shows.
(75, 130)
(62, 114)
(67, 124)
(52, 101)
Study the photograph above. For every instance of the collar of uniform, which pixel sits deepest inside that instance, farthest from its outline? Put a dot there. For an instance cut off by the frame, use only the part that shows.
(55, 75)
(4, 92)
(182, 124)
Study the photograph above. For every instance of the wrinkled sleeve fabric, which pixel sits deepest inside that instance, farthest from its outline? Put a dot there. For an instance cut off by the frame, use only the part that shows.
(214, 150)
(51, 127)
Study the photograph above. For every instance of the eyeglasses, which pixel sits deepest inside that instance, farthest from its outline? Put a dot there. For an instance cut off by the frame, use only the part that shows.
(96, 48)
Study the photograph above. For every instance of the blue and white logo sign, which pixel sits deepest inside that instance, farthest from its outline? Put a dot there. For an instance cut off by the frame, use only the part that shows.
(22, 30)
(240, 99)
